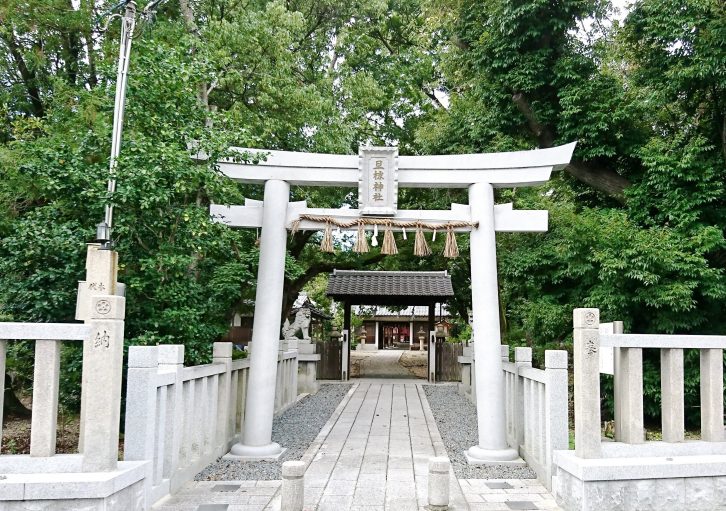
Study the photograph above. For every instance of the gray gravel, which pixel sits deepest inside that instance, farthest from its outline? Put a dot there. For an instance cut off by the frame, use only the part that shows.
(456, 419)
(296, 428)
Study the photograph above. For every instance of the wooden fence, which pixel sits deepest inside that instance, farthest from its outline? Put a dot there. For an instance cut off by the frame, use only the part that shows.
(447, 361)
(328, 367)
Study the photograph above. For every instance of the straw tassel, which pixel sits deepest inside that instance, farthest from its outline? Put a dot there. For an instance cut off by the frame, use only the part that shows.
(389, 242)
(420, 247)
(294, 227)
(451, 248)
(326, 245)
(361, 244)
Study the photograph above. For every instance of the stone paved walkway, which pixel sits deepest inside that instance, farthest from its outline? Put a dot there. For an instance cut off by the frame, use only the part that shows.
(372, 455)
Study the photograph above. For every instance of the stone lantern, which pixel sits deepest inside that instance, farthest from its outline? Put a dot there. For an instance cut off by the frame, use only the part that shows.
(335, 335)
(362, 335)
(421, 338)
(442, 331)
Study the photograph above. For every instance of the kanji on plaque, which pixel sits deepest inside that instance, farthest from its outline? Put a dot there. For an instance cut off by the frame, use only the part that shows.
(378, 183)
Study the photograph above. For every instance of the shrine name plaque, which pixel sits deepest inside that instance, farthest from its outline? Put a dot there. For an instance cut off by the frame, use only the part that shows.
(378, 181)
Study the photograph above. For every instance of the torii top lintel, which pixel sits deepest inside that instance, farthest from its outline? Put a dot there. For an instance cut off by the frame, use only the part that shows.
(501, 170)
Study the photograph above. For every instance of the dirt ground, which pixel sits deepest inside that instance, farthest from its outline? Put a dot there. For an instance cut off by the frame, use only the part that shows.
(415, 362)
(16, 432)
(388, 363)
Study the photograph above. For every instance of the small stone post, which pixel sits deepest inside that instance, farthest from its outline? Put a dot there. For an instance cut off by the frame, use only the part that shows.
(293, 485)
(102, 373)
(438, 483)
(522, 358)
(712, 427)
(222, 354)
(672, 394)
(46, 382)
(587, 382)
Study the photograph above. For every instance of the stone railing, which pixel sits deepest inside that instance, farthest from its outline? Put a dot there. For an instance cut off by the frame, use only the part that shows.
(670, 474)
(93, 478)
(46, 375)
(536, 407)
(184, 418)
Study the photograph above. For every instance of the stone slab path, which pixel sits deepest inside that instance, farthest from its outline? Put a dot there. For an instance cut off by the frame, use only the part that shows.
(372, 455)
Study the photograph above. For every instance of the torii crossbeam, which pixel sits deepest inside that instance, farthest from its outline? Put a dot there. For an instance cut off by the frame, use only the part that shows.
(378, 173)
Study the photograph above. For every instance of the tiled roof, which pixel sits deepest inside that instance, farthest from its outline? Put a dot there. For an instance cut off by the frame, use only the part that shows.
(389, 283)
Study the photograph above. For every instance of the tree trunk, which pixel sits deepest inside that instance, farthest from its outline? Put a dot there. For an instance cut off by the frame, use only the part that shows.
(12, 407)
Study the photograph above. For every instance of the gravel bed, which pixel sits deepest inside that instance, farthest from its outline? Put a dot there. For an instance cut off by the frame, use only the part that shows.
(456, 419)
(295, 428)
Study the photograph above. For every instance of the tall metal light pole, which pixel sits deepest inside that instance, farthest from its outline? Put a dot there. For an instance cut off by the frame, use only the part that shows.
(128, 23)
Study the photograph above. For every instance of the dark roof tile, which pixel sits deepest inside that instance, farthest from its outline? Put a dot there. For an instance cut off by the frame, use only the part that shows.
(389, 283)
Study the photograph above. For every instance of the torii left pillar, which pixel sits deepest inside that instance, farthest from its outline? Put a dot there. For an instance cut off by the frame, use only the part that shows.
(489, 381)
(260, 405)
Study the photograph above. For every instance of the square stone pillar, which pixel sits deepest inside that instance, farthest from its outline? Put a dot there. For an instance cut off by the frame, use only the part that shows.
(102, 373)
(587, 382)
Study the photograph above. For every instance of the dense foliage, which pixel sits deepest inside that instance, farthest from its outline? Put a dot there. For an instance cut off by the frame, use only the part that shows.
(636, 221)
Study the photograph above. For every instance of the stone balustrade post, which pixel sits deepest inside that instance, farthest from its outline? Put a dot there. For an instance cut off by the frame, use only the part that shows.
(522, 358)
(556, 398)
(140, 426)
(171, 360)
(587, 382)
(712, 424)
(556, 407)
(672, 394)
(504, 352)
(293, 485)
(628, 386)
(46, 383)
(3, 356)
(222, 354)
(102, 374)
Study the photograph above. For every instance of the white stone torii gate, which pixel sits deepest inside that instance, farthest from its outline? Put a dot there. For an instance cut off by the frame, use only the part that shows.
(480, 173)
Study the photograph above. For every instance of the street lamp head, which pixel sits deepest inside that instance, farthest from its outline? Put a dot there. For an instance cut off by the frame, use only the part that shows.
(103, 235)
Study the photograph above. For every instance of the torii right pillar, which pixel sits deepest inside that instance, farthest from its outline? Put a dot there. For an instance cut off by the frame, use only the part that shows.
(492, 447)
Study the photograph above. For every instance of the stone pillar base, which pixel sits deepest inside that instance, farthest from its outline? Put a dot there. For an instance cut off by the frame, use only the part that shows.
(479, 456)
(271, 451)
(662, 483)
(117, 490)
